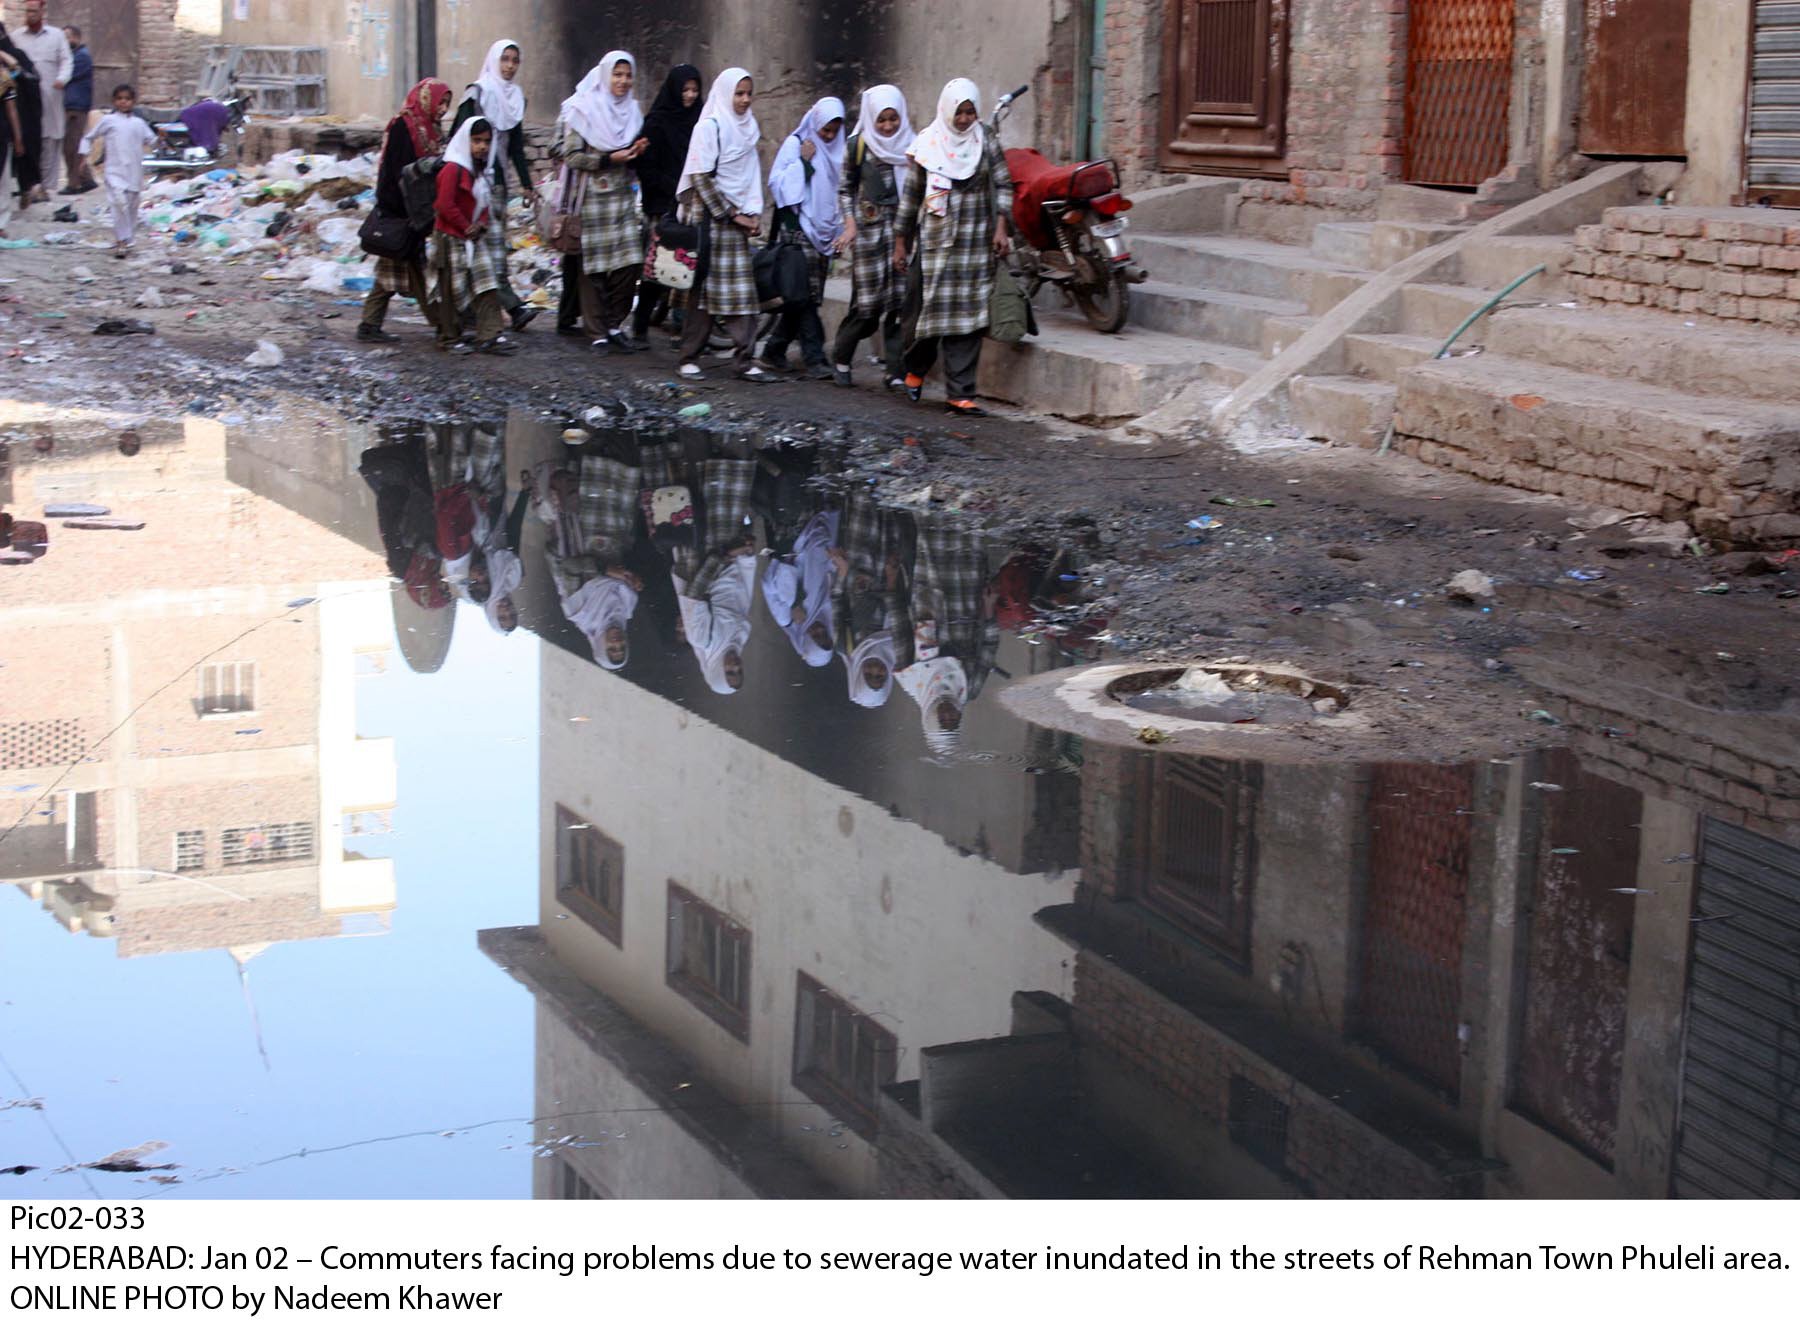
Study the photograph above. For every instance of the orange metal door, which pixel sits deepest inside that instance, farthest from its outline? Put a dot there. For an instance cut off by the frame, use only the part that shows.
(1459, 56)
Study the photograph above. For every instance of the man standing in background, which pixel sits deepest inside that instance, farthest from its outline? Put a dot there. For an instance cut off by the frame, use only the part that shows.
(78, 99)
(49, 50)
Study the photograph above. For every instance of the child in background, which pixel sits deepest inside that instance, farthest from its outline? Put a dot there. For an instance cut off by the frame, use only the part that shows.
(124, 138)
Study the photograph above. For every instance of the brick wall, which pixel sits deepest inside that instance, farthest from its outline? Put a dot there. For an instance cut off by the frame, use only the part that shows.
(161, 69)
(1345, 115)
(1725, 264)
(911, 1167)
(1329, 1153)
(1131, 116)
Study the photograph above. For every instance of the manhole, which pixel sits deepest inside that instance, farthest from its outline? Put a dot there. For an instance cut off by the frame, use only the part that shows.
(1223, 694)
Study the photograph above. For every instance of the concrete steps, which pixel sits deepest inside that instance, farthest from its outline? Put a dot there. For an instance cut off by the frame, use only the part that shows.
(1211, 314)
(1235, 265)
(1655, 348)
(1495, 263)
(1071, 370)
(1393, 241)
(1346, 410)
(1344, 243)
(1438, 309)
(1280, 331)
(1730, 466)
(1384, 357)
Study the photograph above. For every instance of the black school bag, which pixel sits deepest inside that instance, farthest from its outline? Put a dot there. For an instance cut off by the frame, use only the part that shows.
(418, 186)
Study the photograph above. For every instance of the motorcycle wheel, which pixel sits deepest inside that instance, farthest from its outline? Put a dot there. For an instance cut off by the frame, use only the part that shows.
(1106, 307)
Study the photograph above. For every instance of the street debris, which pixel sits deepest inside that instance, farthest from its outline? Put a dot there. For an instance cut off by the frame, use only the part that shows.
(120, 326)
(1470, 586)
(267, 354)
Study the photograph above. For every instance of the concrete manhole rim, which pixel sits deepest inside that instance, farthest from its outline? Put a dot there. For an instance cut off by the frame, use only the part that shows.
(1083, 701)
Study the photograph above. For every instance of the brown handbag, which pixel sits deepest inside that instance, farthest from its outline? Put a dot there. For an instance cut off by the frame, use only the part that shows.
(559, 218)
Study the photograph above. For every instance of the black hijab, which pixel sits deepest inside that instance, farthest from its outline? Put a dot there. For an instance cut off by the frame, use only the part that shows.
(668, 126)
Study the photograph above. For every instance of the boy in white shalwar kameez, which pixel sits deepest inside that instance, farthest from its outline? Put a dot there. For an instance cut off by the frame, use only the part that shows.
(124, 138)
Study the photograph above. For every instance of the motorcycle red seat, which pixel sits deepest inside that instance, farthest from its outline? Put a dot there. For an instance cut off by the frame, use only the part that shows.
(1037, 180)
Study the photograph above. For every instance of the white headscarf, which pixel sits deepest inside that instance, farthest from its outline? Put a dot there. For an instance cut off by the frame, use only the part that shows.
(502, 99)
(940, 148)
(816, 197)
(721, 623)
(889, 150)
(933, 681)
(724, 146)
(605, 122)
(459, 153)
(597, 605)
(877, 646)
(804, 579)
(505, 573)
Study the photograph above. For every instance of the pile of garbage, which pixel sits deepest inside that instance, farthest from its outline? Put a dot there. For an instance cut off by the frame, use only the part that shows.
(298, 216)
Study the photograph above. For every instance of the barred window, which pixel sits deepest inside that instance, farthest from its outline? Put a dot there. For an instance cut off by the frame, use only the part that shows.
(842, 1058)
(709, 961)
(288, 841)
(190, 850)
(225, 688)
(590, 874)
(571, 1187)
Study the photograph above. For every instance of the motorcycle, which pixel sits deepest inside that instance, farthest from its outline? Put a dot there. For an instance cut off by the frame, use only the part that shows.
(175, 152)
(1069, 229)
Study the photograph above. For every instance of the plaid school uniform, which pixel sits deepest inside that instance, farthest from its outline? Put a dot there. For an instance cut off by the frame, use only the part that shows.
(725, 494)
(487, 461)
(875, 287)
(955, 261)
(612, 223)
(469, 267)
(493, 239)
(729, 288)
(950, 574)
(609, 507)
(868, 536)
(395, 276)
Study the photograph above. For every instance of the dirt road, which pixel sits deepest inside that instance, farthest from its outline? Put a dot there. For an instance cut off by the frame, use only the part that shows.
(1326, 557)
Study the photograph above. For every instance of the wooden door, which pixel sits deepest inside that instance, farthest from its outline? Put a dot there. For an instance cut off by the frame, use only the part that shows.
(1224, 85)
(1459, 57)
(1200, 851)
(1634, 78)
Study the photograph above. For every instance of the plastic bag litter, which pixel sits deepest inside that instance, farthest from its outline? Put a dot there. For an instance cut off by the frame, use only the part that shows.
(338, 232)
(150, 297)
(1205, 684)
(268, 354)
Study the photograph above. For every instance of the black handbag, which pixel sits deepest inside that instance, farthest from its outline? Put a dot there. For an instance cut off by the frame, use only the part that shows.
(385, 235)
(781, 275)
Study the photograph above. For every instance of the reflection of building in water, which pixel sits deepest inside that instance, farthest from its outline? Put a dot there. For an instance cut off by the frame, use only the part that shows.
(736, 954)
(181, 764)
(1501, 979)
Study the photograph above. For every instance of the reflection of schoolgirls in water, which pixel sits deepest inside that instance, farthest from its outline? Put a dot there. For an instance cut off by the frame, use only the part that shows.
(873, 611)
(954, 630)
